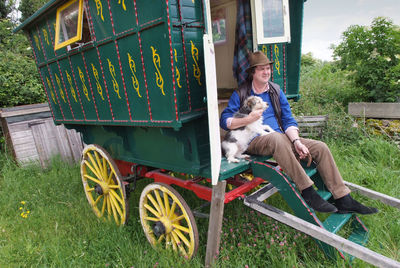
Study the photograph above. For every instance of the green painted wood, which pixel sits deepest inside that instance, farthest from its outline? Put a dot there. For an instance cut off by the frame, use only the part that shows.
(336, 221)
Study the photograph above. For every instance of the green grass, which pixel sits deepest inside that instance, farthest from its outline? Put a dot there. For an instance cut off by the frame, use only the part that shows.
(62, 231)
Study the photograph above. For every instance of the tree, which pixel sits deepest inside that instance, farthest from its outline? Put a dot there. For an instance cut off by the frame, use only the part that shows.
(29, 7)
(372, 54)
(5, 8)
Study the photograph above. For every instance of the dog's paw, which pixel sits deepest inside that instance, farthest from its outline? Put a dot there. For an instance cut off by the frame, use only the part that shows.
(243, 156)
(233, 160)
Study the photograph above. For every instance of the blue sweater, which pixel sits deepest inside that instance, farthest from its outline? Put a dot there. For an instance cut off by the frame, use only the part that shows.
(269, 115)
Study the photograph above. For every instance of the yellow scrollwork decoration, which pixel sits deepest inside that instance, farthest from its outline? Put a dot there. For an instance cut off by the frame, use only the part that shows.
(113, 75)
(99, 7)
(37, 42)
(51, 91)
(71, 86)
(60, 88)
(135, 81)
(159, 78)
(178, 77)
(96, 76)
(196, 68)
(85, 90)
(123, 4)
(264, 49)
(277, 63)
(176, 56)
(46, 36)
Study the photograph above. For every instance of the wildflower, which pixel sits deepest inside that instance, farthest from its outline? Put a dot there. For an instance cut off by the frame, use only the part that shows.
(246, 266)
(239, 244)
(23, 202)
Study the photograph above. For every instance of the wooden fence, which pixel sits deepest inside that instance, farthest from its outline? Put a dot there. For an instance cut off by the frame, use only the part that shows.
(31, 135)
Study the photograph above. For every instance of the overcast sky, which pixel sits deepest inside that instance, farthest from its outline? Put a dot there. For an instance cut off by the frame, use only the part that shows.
(325, 21)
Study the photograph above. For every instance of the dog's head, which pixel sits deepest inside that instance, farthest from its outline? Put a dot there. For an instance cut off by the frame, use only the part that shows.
(254, 103)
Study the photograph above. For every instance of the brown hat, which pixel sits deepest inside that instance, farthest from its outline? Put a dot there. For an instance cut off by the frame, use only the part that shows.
(258, 58)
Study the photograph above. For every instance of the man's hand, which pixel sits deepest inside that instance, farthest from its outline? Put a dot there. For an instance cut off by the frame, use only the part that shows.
(255, 115)
(301, 149)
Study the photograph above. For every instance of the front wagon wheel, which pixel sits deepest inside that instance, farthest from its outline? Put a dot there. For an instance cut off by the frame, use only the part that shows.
(103, 185)
(167, 220)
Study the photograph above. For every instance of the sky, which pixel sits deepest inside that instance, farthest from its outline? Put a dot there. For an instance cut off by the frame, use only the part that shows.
(325, 21)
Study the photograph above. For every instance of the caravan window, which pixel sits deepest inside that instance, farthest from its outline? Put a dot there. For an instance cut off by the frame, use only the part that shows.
(69, 23)
(271, 21)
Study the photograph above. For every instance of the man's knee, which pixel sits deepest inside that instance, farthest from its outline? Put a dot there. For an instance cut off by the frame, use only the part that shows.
(278, 139)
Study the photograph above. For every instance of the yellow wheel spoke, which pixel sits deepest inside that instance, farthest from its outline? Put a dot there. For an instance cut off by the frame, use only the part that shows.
(182, 237)
(166, 202)
(151, 219)
(179, 218)
(116, 186)
(108, 205)
(172, 210)
(99, 165)
(178, 242)
(155, 213)
(92, 169)
(92, 179)
(160, 239)
(103, 208)
(160, 202)
(97, 200)
(89, 189)
(180, 227)
(153, 201)
(116, 196)
(115, 204)
(113, 208)
(167, 240)
(173, 243)
(95, 166)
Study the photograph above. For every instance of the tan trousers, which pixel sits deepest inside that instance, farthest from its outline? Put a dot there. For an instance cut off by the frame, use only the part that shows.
(279, 146)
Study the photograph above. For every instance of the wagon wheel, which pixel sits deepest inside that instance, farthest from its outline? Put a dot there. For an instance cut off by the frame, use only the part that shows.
(167, 220)
(103, 185)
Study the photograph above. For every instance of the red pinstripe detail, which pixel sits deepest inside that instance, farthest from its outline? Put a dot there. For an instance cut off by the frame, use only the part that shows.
(54, 87)
(294, 191)
(65, 89)
(90, 20)
(270, 57)
(51, 37)
(152, 21)
(41, 43)
(362, 224)
(284, 67)
(76, 86)
(41, 77)
(144, 69)
(105, 84)
(185, 58)
(123, 81)
(90, 85)
(119, 61)
(172, 63)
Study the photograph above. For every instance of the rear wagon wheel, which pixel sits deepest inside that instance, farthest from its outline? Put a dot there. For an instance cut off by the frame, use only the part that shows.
(103, 185)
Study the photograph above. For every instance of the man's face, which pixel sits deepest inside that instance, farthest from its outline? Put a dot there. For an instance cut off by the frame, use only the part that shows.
(262, 74)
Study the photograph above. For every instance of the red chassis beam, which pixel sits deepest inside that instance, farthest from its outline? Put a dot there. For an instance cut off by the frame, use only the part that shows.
(202, 191)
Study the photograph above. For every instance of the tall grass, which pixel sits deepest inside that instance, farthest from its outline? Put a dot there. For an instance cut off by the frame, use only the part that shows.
(60, 229)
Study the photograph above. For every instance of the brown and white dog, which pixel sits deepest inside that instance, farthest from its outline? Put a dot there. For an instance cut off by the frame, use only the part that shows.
(237, 141)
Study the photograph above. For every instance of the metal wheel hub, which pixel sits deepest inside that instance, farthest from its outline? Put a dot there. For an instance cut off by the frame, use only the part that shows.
(101, 189)
(158, 229)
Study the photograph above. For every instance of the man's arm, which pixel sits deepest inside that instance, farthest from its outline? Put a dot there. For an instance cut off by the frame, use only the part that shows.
(244, 121)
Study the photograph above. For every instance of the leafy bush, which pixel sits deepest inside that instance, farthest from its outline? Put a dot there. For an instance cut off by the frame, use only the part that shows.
(373, 56)
(19, 79)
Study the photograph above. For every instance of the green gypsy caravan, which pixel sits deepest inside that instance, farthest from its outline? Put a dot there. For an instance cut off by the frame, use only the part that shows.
(140, 80)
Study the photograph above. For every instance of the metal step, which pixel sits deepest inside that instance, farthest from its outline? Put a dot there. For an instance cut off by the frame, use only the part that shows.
(326, 195)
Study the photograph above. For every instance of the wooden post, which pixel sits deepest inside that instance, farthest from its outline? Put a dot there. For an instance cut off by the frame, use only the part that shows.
(215, 223)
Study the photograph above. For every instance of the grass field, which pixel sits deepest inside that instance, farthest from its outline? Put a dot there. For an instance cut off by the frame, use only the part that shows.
(45, 221)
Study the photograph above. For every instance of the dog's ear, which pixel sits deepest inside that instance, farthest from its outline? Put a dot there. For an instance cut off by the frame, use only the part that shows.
(245, 109)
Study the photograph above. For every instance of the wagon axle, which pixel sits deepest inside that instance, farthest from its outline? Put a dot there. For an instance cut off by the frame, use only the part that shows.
(159, 229)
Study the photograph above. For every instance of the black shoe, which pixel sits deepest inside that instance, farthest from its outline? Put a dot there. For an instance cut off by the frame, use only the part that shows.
(347, 204)
(315, 201)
